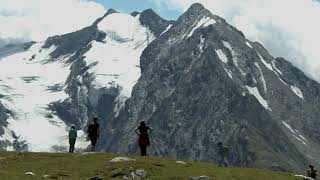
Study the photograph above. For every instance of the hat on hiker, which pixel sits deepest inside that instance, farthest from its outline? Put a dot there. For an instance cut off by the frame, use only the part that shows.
(142, 123)
(95, 118)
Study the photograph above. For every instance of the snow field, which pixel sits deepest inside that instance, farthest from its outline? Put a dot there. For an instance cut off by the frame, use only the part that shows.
(29, 82)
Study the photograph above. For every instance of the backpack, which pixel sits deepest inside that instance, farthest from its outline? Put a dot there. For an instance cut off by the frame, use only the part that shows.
(313, 174)
(72, 134)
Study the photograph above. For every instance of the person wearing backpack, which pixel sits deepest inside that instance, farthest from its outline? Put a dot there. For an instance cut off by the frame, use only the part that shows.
(143, 132)
(312, 172)
(222, 151)
(72, 138)
(94, 132)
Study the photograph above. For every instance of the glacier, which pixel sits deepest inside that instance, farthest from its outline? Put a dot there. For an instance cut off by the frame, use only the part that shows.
(31, 80)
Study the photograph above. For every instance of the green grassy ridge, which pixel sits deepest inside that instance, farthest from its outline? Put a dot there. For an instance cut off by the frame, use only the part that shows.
(14, 165)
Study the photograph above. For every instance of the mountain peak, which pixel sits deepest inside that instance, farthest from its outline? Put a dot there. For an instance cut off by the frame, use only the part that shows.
(197, 7)
(151, 19)
(147, 12)
(135, 13)
(150, 14)
(194, 11)
(110, 11)
(150, 11)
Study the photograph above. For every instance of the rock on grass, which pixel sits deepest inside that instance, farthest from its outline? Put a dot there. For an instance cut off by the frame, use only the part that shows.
(200, 178)
(121, 159)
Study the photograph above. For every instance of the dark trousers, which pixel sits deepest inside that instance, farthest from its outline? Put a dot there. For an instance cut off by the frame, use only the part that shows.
(72, 142)
(222, 161)
(93, 140)
(143, 149)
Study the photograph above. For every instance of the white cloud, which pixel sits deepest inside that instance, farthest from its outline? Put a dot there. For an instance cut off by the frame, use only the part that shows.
(25, 20)
(287, 28)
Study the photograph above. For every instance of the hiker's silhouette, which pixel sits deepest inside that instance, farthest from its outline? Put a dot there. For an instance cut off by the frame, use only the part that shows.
(72, 138)
(312, 172)
(142, 132)
(222, 152)
(93, 133)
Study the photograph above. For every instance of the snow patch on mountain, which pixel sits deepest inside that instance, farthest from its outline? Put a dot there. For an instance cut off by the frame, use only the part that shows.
(124, 25)
(227, 45)
(249, 45)
(234, 55)
(309, 156)
(255, 92)
(271, 69)
(261, 77)
(295, 133)
(166, 30)
(31, 76)
(265, 63)
(222, 56)
(275, 67)
(297, 91)
(208, 23)
(234, 58)
(116, 61)
(288, 126)
(229, 73)
(205, 21)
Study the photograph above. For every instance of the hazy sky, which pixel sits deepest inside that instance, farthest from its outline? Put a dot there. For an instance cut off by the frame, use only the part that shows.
(162, 7)
(287, 28)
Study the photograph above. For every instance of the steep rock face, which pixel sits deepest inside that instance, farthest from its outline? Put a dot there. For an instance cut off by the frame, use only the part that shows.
(202, 82)
(4, 114)
(152, 20)
(74, 110)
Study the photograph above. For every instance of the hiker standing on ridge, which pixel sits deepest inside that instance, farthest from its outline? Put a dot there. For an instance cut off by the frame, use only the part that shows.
(312, 172)
(222, 152)
(142, 132)
(93, 133)
(72, 138)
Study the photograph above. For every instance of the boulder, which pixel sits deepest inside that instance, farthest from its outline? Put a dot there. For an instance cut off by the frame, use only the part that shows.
(200, 178)
(181, 162)
(30, 173)
(121, 159)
